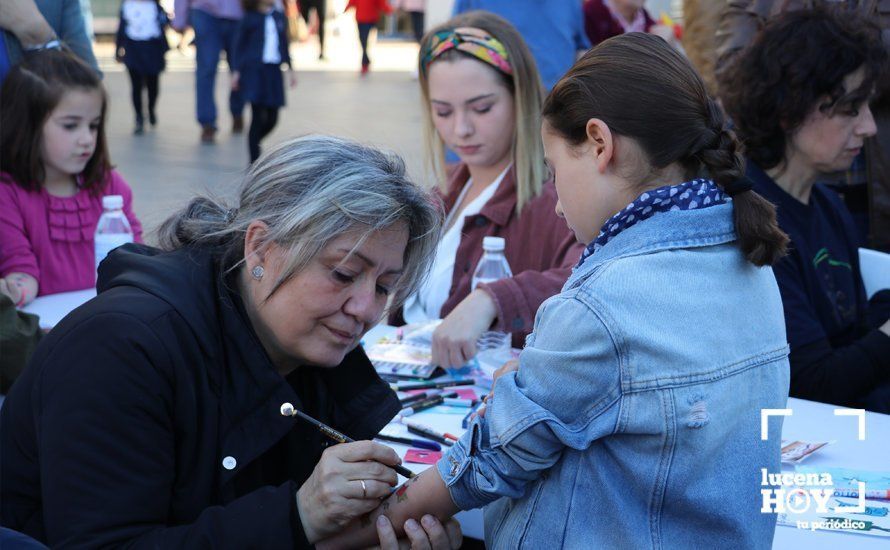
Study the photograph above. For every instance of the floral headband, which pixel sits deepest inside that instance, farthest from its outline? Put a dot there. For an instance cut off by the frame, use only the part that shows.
(473, 41)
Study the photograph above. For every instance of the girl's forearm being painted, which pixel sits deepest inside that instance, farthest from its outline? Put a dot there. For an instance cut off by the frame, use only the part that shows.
(425, 494)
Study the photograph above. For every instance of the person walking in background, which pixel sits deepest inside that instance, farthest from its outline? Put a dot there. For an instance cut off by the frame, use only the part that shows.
(261, 46)
(215, 23)
(141, 46)
(56, 169)
(367, 13)
(416, 10)
(866, 185)
(320, 7)
(553, 30)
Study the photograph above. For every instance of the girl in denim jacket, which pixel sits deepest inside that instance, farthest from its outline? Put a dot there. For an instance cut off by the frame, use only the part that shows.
(633, 419)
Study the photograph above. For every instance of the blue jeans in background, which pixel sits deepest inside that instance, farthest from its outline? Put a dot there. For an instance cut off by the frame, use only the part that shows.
(364, 31)
(212, 36)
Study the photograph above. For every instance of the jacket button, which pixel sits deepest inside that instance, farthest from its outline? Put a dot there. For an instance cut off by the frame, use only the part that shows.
(229, 463)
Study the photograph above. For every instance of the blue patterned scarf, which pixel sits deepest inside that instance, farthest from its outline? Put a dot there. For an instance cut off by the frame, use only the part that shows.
(690, 195)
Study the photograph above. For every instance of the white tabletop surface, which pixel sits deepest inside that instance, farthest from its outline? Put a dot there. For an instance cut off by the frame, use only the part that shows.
(813, 421)
(809, 421)
(51, 308)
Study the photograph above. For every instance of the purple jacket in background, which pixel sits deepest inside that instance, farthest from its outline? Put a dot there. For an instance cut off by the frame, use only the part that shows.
(225, 9)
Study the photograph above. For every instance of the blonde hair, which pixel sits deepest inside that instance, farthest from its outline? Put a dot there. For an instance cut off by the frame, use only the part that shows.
(525, 85)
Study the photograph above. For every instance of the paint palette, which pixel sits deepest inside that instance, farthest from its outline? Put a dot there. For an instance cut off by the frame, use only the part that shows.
(402, 360)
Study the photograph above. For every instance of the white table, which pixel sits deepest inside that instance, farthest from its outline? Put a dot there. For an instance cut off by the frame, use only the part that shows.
(809, 421)
(471, 520)
(51, 308)
(817, 422)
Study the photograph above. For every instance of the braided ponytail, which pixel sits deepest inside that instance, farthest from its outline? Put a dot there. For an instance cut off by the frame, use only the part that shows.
(760, 238)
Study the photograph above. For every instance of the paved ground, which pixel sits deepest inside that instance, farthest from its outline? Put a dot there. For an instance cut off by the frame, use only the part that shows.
(168, 165)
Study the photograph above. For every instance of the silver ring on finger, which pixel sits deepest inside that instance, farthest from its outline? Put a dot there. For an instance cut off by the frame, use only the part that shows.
(364, 488)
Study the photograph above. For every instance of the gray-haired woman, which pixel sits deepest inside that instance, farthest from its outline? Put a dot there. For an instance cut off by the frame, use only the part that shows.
(150, 416)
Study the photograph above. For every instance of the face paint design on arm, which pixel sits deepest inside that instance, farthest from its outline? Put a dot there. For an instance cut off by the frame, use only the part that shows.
(402, 493)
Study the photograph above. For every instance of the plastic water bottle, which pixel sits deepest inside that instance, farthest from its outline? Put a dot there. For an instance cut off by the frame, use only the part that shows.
(113, 228)
(493, 266)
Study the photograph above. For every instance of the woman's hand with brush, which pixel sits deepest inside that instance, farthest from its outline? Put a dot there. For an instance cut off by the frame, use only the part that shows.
(347, 482)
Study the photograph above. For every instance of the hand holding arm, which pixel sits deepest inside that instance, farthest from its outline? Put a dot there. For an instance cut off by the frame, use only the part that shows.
(425, 494)
(428, 533)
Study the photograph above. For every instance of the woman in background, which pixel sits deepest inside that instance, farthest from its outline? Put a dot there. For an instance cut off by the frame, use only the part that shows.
(482, 99)
(799, 96)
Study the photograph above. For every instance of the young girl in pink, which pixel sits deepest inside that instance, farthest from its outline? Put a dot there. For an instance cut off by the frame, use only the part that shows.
(55, 171)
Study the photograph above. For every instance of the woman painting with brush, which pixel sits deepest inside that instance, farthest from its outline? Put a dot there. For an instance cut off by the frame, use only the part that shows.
(150, 416)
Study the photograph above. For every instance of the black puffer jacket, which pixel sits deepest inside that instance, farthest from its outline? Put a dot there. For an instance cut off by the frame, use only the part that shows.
(149, 417)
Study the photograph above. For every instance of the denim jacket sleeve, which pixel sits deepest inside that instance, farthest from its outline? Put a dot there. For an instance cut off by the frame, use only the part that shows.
(566, 393)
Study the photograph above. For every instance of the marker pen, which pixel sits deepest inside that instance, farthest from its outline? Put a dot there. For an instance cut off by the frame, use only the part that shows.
(427, 432)
(432, 385)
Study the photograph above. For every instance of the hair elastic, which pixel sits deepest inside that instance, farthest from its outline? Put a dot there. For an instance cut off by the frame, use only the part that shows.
(738, 186)
(472, 41)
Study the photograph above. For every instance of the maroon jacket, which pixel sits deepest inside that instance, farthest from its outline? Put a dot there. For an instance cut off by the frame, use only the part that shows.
(540, 249)
(600, 25)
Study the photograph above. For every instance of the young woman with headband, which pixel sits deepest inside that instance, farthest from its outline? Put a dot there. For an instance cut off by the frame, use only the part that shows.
(482, 99)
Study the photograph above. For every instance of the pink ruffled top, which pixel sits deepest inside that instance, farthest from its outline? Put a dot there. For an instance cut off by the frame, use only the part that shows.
(51, 238)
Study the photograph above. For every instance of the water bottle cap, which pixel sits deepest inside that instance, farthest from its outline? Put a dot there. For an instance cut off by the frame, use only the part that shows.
(112, 202)
(493, 244)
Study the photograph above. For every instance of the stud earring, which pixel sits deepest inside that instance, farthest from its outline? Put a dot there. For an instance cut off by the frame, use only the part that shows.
(257, 272)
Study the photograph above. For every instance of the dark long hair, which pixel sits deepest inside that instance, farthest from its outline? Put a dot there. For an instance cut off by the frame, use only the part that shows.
(799, 58)
(30, 93)
(645, 90)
